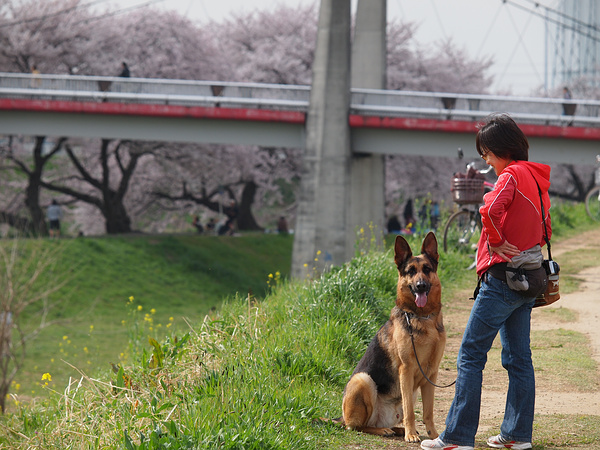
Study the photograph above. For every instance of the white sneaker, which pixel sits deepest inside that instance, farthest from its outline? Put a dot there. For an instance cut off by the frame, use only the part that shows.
(439, 444)
(500, 442)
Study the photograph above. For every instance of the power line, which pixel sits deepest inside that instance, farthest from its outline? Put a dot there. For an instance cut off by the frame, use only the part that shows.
(558, 22)
(49, 16)
(489, 31)
(566, 16)
(119, 11)
(73, 8)
(519, 42)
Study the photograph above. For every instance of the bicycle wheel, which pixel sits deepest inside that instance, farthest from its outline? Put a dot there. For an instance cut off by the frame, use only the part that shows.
(462, 232)
(592, 203)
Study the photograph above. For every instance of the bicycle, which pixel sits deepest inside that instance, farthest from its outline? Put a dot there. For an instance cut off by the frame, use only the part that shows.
(592, 199)
(463, 228)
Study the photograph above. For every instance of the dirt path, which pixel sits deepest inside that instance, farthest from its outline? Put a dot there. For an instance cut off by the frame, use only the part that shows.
(550, 399)
(586, 303)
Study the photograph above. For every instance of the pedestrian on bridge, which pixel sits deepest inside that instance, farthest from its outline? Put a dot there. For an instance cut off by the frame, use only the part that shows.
(568, 108)
(36, 80)
(125, 70)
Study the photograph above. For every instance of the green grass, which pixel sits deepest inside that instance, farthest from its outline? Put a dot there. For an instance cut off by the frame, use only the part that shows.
(181, 277)
(254, 375)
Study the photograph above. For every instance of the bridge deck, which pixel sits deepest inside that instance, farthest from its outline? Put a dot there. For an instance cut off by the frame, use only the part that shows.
(382, 121)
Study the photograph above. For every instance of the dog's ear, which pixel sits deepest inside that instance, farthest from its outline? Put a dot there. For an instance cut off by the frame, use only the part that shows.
(430, 247)
(402, 251)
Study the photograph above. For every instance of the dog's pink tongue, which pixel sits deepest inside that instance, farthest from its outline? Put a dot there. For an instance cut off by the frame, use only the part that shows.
(421, 299)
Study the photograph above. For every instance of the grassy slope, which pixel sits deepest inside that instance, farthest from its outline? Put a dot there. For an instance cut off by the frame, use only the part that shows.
(254, 377)
(181, 277)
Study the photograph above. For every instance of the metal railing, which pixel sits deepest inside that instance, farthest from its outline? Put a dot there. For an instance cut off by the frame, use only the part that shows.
(368, 102)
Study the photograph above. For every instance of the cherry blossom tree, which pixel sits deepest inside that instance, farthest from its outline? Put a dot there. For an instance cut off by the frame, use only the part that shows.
(269, 46)
(155, 44)
(51, 34)
(65, 36)
(107, 179)
(253, 178)
(440, 68)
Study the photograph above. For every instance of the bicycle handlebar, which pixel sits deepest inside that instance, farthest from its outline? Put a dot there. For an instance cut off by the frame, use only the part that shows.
(472, 164)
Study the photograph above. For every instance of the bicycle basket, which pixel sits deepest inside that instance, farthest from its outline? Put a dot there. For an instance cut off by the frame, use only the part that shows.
(467, 190)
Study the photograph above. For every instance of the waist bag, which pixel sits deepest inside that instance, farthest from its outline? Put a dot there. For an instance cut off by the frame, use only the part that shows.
(524, 274)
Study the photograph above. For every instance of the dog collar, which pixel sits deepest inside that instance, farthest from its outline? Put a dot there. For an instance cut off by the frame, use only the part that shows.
(411, 315)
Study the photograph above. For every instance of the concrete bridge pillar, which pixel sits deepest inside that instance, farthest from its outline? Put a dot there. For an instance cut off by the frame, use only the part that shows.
(341, 191)
(367, 178)
(322, 222)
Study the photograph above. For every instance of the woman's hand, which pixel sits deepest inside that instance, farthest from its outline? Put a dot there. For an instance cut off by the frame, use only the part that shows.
(506, 250)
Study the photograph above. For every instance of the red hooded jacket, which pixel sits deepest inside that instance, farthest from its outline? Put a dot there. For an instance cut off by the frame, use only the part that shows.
(511, 212)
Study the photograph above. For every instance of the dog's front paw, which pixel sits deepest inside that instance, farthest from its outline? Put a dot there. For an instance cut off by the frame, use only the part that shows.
(412, 437)
(432, 434)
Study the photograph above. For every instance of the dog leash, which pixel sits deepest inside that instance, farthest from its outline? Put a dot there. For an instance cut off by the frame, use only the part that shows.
(412, 339)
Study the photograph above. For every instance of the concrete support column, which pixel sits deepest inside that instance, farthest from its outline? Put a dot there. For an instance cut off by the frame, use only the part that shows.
(367, 180)
(321, 225)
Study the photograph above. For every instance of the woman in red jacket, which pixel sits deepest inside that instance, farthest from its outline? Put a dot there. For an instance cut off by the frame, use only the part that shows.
(512, 222)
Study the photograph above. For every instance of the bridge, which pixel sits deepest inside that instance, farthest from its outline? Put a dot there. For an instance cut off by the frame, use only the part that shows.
(381, 121)
(338, 188)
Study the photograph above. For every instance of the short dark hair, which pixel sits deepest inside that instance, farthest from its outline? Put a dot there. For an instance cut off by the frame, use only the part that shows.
(499, 134)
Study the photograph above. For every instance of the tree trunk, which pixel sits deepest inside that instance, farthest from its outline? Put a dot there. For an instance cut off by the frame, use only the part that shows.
(246, 220)
(116, 217)
(32, 199)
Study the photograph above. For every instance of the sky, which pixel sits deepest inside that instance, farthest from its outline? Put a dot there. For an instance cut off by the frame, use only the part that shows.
(505, 30)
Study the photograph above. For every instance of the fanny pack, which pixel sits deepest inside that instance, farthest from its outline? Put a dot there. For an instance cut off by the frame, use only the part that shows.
(524, 274)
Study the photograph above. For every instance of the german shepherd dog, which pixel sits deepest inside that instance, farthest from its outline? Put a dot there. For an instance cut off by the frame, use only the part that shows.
(380, 396)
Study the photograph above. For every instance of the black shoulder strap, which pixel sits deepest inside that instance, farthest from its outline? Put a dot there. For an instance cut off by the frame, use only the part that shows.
(544, 219)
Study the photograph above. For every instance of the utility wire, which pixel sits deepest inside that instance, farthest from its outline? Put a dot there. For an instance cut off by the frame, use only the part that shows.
(594, 27)
(439, 20)
(489, 31)
(49, 16)
(73, 8)
(119, 11)
(520, 41)
(556, 21)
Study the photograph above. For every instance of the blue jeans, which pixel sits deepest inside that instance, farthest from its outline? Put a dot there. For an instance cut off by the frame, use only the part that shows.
(496, 309)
